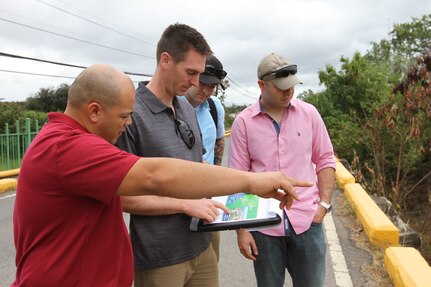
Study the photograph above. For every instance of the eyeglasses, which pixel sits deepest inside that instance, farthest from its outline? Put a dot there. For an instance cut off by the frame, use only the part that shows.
(185, 132)
(213, 71)
(280, 73)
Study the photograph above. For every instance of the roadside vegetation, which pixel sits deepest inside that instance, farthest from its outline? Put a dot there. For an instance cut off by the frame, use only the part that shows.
(377, 109)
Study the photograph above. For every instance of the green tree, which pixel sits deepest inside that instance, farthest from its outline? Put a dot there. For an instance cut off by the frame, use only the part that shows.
(401, 122)
(49, 99)
(386, 127)
(230, 114)
(220, 92)
(10, 112)
(348, 103)
(406, 42)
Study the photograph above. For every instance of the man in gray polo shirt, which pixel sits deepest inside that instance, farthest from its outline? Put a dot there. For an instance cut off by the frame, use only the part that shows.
(166, 252)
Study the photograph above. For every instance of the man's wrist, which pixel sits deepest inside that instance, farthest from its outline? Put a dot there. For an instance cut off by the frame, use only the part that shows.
(325, 205)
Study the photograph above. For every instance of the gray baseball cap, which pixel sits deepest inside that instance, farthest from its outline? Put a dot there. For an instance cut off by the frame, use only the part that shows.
(279, 70)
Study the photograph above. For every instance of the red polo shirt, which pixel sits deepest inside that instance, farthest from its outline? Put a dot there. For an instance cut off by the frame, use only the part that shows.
(68, 222)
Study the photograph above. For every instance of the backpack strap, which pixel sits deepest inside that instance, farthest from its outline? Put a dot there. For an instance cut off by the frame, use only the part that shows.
(213, 111)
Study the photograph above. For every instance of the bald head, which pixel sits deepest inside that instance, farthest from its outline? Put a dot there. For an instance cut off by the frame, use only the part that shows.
(98, 83)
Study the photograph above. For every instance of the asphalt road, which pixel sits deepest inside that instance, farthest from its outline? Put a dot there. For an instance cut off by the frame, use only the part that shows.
(7, 248)
(235, 270)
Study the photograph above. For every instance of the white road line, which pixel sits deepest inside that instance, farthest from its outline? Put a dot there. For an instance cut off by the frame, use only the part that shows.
(8, 196)
(341, 273)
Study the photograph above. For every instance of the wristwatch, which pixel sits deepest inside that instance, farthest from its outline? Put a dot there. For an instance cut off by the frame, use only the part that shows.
(325, 205)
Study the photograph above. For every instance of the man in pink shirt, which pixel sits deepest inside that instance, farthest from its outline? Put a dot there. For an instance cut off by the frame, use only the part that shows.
(280, 133)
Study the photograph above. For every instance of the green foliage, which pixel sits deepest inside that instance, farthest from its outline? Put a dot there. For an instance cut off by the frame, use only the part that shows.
(378, 107)
(49, 99)
(221, 93)
(349, 102)
(230, 114)
(357, 89)
(406, 117)
(10, 112)
(410, 39)
(406, 42)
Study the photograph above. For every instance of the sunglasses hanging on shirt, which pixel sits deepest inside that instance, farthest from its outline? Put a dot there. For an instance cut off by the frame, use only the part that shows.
(185, 132)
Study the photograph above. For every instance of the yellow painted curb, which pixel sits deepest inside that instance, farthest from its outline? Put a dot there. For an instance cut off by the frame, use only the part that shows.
(379, 228)
(9, 173)
(342, 175)
(7, 184)
(407, 267)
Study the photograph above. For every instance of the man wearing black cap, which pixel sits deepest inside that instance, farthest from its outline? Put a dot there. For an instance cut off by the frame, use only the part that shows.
(209, 110)
(210, 115)
(281, 133)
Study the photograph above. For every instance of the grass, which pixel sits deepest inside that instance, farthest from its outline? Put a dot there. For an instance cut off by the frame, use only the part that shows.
(12, 165)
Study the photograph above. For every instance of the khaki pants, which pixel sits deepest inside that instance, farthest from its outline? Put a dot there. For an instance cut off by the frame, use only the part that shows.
(215, 242)
(197, 272)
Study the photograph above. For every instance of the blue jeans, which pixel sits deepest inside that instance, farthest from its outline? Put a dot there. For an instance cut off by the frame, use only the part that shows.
(303, 255)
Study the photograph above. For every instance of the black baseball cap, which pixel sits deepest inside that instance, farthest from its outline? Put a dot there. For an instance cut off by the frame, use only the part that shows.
(214, 73)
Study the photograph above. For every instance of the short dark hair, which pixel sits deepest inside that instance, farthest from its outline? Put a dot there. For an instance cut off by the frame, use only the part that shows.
(178, 39)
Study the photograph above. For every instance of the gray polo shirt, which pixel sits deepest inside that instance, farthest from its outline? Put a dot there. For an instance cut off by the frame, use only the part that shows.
(162, 240)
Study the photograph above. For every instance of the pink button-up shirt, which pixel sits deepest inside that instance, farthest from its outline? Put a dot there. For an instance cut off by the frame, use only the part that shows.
(300, 147)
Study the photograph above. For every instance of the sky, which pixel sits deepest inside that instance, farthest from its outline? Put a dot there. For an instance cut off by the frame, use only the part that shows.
(124, 34)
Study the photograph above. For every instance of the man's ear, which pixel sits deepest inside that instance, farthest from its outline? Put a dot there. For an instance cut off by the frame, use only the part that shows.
(165, 59)
(93, 112)
(262, 85)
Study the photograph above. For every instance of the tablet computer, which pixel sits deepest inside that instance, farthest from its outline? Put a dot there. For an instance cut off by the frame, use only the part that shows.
(246, 211)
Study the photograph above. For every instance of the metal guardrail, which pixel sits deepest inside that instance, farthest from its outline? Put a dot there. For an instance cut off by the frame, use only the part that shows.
(13, 145)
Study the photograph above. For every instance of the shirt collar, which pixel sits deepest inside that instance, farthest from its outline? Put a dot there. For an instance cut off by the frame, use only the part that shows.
(151, 100)
(256, 108)
(56, 117)
(204, 105)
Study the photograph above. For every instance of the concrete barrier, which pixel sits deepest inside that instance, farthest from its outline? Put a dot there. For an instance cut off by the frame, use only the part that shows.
(342, 175)
(7, 184)
(379, 228)
(9, 173)
(407, 268)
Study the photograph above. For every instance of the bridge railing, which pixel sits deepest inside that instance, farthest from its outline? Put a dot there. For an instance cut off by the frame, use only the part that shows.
(13, 144)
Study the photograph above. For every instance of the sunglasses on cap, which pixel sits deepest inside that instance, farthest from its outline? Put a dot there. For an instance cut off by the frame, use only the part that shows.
(280, 73)
(213, 71)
